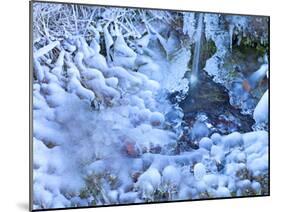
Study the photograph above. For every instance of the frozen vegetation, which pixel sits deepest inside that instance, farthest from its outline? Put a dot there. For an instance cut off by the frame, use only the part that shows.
(117, 117)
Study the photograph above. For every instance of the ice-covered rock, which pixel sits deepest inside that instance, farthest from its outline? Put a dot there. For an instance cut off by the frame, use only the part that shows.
(199, 130)
(256, 186)
(211, 180)
(171, 175)
(157, 119)
(222, 192)
(199, 171)
(216, 138)
(217, 153)
(113, 196)
(232, 140)
(129, 197)
(206, 143)
(151, 176)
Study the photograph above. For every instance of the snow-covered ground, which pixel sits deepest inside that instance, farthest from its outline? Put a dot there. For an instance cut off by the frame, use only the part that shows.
(104, 129)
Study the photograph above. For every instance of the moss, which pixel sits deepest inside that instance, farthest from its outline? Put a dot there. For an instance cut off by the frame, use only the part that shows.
(264, 181)
(244, 57)
(160, 195)
(232, 74)
(84, 194)
(208, 49)
(252, 45)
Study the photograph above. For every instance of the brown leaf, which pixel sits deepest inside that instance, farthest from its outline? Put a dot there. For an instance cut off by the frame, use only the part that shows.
(246, 85)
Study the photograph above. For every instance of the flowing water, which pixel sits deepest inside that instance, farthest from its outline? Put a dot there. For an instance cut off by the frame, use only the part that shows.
(207, 104)
(196, 54)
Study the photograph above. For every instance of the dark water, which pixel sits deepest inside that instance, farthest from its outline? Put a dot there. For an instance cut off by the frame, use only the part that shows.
(212, 99)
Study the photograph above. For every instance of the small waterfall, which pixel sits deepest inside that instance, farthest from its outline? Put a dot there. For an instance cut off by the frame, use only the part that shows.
(231, 28)
(196, 54)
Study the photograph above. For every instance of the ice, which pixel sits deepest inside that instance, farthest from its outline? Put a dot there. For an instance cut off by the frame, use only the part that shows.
(157, 119)
(256, 186)
(42, 197)
(199, 171)
(97, 61)
(39, 70)
(113, 196)
(223, 192)
(171, 175)
(189, 24)
(199, 130)
(129, 197)
(206, 143)
(123, 55)
(143, 42)
(257, 76)
(95, 46)
(108, 41)
(261, 111)
(211, 180)
(216, 138)
(149, 177)
(217, 153)
(45, 49)
(258, 165)
(232, 140)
